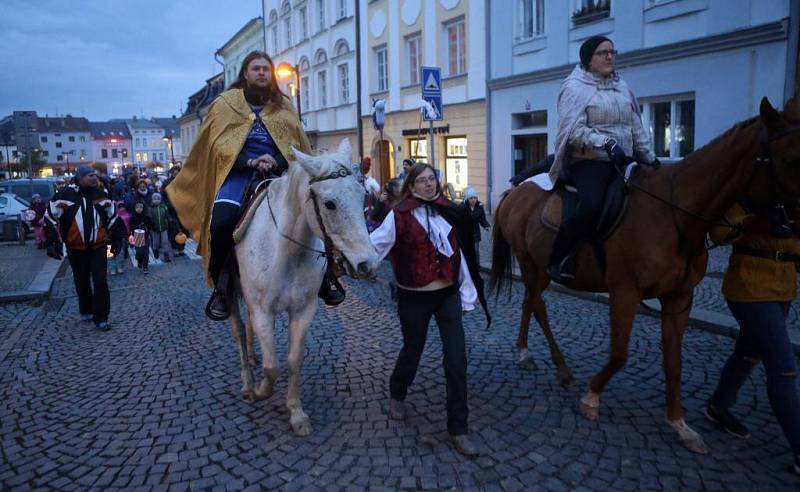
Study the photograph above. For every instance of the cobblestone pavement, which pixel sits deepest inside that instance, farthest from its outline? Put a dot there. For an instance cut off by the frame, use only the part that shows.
(19, 264)
(155, 403)
(707, 294)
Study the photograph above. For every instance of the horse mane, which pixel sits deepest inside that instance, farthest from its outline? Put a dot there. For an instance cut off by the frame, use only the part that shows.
(294, 180)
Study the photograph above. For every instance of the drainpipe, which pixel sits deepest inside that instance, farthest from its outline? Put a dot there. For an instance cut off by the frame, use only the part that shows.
(487, 34)
(264, 26)
(359, 125)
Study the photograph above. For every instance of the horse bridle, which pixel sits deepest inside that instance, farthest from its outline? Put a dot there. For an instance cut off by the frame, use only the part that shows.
(328, 253)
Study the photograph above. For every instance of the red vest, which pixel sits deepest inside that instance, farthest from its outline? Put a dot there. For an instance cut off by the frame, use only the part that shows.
(415, 259)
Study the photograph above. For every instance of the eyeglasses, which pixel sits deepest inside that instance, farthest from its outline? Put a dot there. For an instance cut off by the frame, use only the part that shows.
(423, 180)
(605, 53)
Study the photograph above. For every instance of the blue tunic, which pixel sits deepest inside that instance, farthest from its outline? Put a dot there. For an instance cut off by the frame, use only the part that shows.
(258, 143)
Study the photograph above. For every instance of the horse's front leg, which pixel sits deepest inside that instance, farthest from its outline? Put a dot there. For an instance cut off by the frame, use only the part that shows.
(262, 321)
(623, 305)
(245, 351)
(674, 317)
(298, 327)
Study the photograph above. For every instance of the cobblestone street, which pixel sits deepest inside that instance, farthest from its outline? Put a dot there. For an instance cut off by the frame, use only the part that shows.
(155, 403)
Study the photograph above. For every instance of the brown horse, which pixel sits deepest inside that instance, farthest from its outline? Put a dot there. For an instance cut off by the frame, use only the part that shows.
(658, 250)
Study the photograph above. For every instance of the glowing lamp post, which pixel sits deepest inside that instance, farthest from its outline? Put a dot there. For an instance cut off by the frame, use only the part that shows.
(284, 72)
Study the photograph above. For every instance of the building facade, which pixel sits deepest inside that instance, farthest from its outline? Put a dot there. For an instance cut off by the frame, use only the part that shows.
(196, 110)
(249, 38)
(317, 37)
(400, 37)
(65, 143)
(148, 147)
(172, 143)
(111, 145)
(696, 66)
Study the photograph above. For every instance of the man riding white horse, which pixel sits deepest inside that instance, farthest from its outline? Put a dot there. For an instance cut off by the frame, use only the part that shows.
(248, 135)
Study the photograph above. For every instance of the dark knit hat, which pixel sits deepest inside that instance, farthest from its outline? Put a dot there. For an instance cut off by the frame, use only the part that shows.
(588, 48)
(84, 171)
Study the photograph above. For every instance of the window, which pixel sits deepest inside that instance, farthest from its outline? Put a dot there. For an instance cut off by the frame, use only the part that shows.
(456, 48)
(124, 153)
(456, 164)
(44, 139)
(323, 93)
(138, 143)
(46, 153)
(104, 153)
(586, 11)
(275, 39)
(58, 145)
(59, 157)
(383, 70)
(414, 52)
(530, 18)
(145, 157)
(82, 139)
(671, 125)
(304, 92)
(344, 84)
(114, 153)
(83, 152)
(138, 157)
(419, 149)
(303, 22)
(321, 15)
(72, 138)
(287, 24)
(342, 13)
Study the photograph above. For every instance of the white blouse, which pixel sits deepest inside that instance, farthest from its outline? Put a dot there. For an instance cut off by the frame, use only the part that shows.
(383, 239)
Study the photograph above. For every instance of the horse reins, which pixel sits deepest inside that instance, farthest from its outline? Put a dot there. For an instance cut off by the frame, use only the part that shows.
(328, 252)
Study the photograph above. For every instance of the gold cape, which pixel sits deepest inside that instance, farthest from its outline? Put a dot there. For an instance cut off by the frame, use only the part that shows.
(220, 140)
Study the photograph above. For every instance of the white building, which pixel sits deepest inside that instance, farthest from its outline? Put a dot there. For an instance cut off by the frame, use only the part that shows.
(66, 143)
(171, 141)
(111, 145)
(249, 38)
(148, 146)
(696, 66)
(196, 111)
(318, 37)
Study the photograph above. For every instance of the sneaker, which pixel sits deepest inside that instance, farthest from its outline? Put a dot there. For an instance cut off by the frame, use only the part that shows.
(86, 317)
(145, 270)
(727, 422)
(217, 307)
(103, 326)
(463, 444)
(397, 409)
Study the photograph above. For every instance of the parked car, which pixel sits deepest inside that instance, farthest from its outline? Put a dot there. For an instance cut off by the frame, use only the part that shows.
(11, 206)
(22, 188)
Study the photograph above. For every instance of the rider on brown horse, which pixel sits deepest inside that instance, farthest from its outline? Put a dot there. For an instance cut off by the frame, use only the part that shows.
(599, 126)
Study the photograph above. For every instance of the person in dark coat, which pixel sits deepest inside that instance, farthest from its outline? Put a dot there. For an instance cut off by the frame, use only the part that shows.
(475, 210)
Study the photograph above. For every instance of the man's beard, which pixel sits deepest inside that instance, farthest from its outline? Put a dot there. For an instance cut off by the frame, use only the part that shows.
(258, 95)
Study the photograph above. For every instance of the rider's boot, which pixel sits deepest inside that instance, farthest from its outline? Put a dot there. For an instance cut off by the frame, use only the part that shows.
(562, 260)
(217, 308)
(331, 291)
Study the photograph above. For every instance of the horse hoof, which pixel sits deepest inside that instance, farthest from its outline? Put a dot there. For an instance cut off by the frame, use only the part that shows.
(566, 379)
(590, 412)
(528, 364)
(248, 395)
(253, 361)
(302, 428)
(695, 445)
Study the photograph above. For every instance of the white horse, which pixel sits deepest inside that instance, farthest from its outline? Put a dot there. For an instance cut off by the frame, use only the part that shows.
(317, 206)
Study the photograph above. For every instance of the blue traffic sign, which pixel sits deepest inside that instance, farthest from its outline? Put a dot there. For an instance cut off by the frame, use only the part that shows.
(434, 113)
(431, 81)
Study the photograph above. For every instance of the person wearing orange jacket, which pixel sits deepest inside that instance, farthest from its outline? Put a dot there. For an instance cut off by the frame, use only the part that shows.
(759, 286)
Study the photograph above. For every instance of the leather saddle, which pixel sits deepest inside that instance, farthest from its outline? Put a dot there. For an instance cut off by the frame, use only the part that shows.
(563, 202)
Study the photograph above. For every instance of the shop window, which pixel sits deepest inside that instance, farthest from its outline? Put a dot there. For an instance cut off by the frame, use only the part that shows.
(456, 164)
(419, 149)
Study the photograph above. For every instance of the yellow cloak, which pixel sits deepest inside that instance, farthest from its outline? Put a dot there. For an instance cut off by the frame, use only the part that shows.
(220, 140)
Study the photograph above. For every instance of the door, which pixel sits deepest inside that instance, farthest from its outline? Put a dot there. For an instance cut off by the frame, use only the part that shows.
(528, 149)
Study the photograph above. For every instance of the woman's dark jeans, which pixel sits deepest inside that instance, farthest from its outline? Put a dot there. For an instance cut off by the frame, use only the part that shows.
(763, 338)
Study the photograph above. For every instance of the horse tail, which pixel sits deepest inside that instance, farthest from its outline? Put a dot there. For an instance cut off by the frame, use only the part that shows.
(500, 275)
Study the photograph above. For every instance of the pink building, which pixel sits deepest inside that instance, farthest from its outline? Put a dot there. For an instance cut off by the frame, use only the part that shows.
(111, 145)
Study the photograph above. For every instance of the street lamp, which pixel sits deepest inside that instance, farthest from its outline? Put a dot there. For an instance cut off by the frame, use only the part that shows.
(284, 71)
(168, 139)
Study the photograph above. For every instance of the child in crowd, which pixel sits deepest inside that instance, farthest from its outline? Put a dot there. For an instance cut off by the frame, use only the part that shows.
(159, 237)
(140, 220)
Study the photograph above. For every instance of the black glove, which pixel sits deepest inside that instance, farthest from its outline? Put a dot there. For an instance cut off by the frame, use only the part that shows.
(615, 152)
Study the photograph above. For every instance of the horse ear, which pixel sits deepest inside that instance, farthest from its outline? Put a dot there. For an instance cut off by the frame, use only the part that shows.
(769, 115)
(345, 150)
(309, 163)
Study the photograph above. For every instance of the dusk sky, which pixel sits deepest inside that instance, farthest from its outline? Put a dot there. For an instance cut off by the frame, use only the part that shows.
(113, 58)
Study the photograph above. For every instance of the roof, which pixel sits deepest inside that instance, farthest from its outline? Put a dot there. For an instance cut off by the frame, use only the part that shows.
(205, 96)
(137, 123)
(235, 37)
(109, 129)
(66, 124)
(170, 125)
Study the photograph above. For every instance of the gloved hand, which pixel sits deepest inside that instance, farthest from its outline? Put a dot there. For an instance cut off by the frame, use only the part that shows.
(655, 163)
(615, 152)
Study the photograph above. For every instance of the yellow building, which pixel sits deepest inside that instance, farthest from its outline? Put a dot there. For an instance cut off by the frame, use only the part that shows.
(401, 36)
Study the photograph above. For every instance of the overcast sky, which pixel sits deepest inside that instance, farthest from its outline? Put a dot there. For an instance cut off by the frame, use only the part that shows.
(106, 59)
